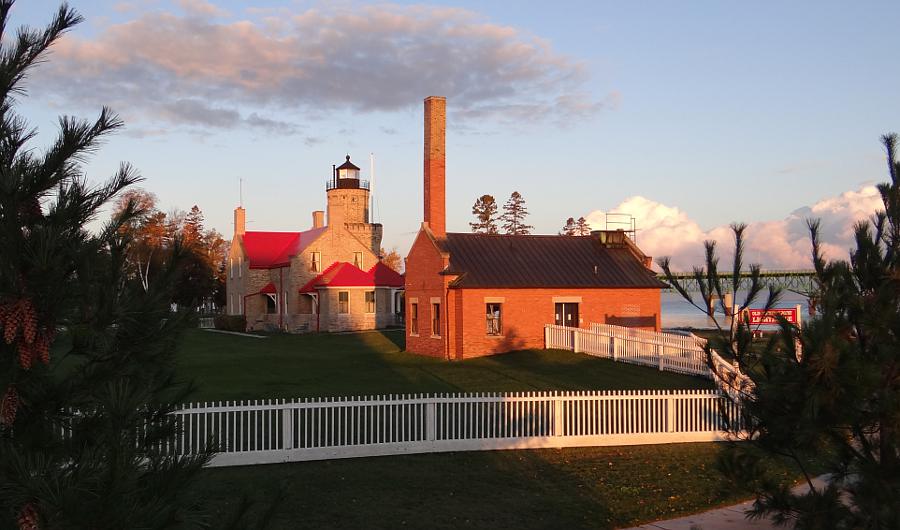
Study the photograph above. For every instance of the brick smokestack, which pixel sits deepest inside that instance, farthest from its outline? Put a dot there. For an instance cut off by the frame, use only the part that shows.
(318, 217)
(240, 221)
(435, 164)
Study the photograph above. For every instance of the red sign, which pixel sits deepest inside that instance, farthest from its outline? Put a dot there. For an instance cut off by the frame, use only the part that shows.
(762, 317)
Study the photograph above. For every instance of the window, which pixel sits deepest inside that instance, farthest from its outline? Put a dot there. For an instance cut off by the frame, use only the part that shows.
(344, 302)
(231, 266)
(493, 319)
(358, 260)
(370, 301)
(435, 320)
(413, 318)
(315, 261)
(271, 304)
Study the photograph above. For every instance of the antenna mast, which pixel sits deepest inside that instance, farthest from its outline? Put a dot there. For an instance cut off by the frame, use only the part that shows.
(372, 187)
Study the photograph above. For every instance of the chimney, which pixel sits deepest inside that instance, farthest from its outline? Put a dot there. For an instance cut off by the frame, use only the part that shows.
(318, 219)
(435, 164)
(240, 221)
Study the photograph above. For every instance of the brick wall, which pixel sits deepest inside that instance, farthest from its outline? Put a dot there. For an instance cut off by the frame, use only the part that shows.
(526, 311)
(423, 283)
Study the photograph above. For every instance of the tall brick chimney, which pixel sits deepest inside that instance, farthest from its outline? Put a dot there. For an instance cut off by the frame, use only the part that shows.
(318, 217)
(435, 164)
(240, 221)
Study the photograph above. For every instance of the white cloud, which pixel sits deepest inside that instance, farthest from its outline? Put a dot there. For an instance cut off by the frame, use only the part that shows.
(783, 244)
(339, 56)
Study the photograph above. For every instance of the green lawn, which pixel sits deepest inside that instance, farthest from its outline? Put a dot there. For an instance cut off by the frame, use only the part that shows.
(599, 487)
(578, 488)
(229, 367)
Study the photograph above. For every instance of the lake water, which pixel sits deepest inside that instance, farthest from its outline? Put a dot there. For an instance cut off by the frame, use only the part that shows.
(677, 313)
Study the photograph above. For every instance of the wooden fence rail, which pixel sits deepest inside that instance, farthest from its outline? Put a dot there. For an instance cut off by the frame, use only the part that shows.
(269, 431)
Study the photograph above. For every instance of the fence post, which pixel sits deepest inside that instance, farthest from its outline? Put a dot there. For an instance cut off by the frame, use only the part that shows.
(576, 340)
(557, 416)
(662, 360)
(546, 337)
(287, 429)
(430, 421)
(615, 347)
(670, 413)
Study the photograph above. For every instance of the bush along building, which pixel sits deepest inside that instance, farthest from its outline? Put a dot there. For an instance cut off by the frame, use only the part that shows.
(327, 278)
(469, 295)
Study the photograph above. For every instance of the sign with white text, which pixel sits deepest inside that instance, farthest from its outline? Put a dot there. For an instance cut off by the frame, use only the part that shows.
(760, 317)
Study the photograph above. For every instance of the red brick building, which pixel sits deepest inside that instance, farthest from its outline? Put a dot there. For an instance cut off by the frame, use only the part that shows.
(469, 295)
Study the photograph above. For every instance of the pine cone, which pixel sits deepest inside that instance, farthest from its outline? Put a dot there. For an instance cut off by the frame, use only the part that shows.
(9, 405)
(42, 345)
(26, 354)
(11, 322)
(29, 320)
(28, 518)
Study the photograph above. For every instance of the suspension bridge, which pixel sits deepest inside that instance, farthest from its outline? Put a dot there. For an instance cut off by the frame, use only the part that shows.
(798, 281)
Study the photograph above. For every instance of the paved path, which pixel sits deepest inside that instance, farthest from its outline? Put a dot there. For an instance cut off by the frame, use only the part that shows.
(727, 518)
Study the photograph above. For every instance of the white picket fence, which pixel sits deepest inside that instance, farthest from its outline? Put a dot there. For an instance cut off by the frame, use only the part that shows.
(673, 352)
(270, 431)
(665, 351)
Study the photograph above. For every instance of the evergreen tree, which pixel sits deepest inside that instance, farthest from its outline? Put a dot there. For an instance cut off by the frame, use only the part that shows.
(81, 440)
(826, 397)
(514, 214)
(582, 228)
(569, 228)
(485, 212)
(192, 229)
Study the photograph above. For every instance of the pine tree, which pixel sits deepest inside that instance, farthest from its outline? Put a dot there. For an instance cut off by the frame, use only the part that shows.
(192, 228)
(569, 228)
(485, 212)
(826, 397)
(582, 228)
(80, 440)
(514, 214)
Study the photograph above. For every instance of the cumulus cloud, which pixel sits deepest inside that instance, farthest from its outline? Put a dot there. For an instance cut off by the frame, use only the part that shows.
(364, 58)
(782, 244)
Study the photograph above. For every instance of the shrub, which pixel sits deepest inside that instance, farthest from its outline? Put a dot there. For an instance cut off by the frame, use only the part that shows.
(231, 322)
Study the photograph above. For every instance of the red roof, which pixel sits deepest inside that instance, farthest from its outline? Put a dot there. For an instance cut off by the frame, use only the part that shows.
(268, 289)
(343, 274)
(384, 276)
(266, 250)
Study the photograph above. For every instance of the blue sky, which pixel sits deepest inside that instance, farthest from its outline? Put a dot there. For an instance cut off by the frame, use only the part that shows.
(727, 111)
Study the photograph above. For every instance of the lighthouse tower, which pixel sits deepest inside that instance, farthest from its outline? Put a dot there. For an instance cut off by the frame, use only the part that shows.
(348, 204)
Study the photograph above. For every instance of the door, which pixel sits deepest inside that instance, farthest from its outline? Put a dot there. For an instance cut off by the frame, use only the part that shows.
(567, 314)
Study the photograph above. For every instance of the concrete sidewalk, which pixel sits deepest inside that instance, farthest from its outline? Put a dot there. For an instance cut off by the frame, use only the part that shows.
(727, 518)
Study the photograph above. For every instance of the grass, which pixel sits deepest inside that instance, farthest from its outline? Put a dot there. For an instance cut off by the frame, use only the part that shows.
(600, 487)
(229, 367)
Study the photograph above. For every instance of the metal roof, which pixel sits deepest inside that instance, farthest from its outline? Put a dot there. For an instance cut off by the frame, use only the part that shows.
(348, 165)
(543, 261)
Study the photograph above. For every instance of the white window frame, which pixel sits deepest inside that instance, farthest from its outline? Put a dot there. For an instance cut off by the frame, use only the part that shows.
(315, 259)
(347, 312)
(374, 302)
(358, 262)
